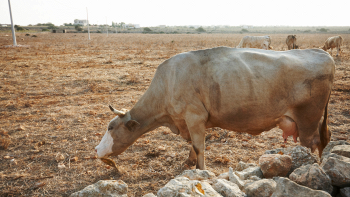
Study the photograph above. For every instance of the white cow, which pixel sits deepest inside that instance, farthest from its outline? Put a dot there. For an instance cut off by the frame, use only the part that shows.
(243, 90)
(333, 42)
(260, 42)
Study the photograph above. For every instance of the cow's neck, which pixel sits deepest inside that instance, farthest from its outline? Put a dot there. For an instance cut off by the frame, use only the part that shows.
(148, 112)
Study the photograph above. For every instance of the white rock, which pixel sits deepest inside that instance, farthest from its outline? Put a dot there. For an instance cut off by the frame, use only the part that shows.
(224, 176)
(248, 172)
(227, 188)
(288, 188)
(235, 179)
(242, 166)
(149, 195)
(105, 188)
(184, 187)
(197, 174)
(338, 171)
(261, 188)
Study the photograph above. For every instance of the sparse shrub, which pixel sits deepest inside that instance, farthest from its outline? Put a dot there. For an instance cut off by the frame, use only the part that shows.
(244, 30)
(322, 30)
(44, 29)
(18, 28)
(98, 31)
(200, 29)
(147, 29)
(132, 79)
(51, 26)
(27, 34)
(78, 28)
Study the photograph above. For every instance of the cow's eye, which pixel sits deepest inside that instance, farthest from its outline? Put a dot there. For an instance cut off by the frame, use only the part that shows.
(110, 128)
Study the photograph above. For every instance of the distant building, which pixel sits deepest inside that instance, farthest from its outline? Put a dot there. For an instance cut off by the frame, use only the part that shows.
(132, 26)
(80, 22)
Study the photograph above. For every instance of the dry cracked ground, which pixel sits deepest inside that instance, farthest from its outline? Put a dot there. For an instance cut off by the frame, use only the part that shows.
(54, 96)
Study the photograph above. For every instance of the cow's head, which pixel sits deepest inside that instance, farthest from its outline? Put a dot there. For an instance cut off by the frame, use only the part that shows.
(121, 133)
(324, 48)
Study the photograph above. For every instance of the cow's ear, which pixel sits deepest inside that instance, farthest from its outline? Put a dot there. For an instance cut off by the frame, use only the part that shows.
(132, 125)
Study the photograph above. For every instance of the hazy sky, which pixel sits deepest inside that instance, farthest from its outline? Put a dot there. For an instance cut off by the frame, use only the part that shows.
(180, 12)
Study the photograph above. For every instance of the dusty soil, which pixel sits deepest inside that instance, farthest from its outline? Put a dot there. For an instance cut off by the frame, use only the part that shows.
(54, 100)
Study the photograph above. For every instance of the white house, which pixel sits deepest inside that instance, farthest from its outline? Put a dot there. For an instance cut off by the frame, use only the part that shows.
(80, 22)
(132, 25)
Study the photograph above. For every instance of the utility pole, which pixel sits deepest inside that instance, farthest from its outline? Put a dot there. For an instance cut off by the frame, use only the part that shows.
(12, 27)
(107, 26)
(87, 17)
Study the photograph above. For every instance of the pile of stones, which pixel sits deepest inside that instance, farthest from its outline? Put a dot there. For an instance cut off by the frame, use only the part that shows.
(280, 172)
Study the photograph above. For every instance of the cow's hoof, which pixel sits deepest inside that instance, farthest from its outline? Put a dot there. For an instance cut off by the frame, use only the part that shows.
(190, 162)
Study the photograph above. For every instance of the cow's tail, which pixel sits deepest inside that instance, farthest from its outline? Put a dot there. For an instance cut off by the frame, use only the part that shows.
(325, 134)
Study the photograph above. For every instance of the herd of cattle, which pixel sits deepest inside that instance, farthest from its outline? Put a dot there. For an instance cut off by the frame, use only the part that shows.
(263, 42)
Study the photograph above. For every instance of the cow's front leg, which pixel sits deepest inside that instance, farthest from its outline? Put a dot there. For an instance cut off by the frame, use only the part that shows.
(196, 127)
(338, 49)
(198, 147)
(192, 158)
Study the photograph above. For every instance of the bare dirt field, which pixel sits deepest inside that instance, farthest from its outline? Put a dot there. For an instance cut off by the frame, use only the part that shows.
(54, 96)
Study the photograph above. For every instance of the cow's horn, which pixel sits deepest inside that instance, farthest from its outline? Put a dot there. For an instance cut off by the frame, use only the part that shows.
(119, 113)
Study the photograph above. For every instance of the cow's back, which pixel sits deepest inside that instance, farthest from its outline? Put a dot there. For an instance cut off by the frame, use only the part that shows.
(239, 86)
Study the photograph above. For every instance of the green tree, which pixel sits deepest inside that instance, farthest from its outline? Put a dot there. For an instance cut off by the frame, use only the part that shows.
(18, 28)
(244, 30)
(78, 28)
(147, 29)
(200, 29)
(323, 30)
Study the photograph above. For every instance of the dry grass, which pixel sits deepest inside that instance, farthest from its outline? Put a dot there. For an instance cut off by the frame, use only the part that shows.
(54, 105)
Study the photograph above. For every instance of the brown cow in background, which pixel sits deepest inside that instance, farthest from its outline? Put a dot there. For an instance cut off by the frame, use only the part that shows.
(333, 42)
(291, 42)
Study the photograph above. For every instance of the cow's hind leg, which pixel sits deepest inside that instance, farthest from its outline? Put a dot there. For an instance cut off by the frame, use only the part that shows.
(307, 120)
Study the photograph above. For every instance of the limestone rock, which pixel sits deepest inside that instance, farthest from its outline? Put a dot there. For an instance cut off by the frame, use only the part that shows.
(261, 188)
(343, 150)
(249, 172)
(327, 150)
(223, 176)
(288, 188)
(300, 156)
(338, 171)
(242, 166)
(184, 187)
(105, 188)
(254, 178)
(227, 188)
(197, 174)
(149, 195)
(235, 179)
(345, 192)
(312, 176)
(275, 165)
